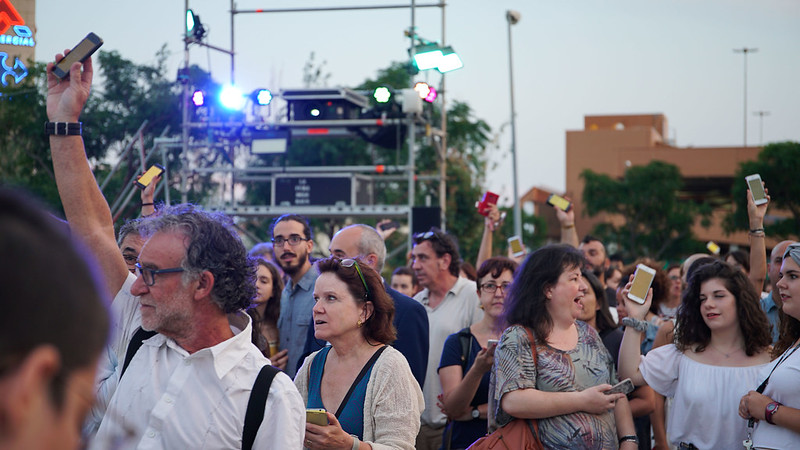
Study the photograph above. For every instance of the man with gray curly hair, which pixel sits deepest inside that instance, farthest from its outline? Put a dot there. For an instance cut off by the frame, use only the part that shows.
(189, 384)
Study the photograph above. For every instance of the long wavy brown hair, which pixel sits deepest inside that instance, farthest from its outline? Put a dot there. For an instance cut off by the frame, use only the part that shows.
(691, 329)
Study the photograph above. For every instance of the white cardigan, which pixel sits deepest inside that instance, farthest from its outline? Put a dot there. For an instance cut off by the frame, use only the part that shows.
(392, 405)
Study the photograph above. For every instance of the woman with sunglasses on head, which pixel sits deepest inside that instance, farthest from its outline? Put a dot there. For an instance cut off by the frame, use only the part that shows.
(465, 381)
(565, 386)
(368, 384)
(721, 344)
(777, 409)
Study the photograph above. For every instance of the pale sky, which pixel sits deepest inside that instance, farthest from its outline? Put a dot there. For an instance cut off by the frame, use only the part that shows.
(571, 58)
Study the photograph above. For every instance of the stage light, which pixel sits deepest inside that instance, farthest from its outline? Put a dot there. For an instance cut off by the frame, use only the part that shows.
(194, 28)
(382, 94)
(432, 93)
(450, 60)
(427, 56)
(423, 89)
(198, 98)
(262, 97)
(231, 98)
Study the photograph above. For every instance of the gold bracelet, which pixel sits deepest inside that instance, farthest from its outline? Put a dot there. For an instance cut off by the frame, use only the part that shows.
(567, 227)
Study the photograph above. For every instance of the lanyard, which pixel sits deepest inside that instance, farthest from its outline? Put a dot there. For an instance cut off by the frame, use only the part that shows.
(763, 385)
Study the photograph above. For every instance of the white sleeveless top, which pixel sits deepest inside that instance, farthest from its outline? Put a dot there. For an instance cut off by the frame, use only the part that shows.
(705, 407)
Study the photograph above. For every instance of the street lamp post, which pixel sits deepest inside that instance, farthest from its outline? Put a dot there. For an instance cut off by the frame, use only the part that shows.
(761, 115)
(513, 17)
(745, 51)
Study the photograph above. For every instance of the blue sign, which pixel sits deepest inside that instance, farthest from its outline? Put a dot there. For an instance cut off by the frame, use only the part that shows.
(17, 71)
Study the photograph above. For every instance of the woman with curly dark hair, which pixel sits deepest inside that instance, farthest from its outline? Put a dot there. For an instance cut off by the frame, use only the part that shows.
(721, 344)
(777, 408)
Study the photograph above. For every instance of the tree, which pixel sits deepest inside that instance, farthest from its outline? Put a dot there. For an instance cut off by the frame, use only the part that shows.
(123, 96)
(655, 222)
(778, 164)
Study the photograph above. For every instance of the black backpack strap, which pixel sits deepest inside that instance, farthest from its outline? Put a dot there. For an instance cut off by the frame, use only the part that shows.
(255, 406)
(465, 337)
(133, 346)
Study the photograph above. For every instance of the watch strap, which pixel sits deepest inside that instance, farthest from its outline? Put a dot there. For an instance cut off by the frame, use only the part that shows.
(63, 128)
(770, 410)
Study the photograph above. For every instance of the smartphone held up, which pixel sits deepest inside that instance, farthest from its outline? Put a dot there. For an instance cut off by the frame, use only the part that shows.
(79, 53)
(154, 171)
(642, 279)
(755, 186)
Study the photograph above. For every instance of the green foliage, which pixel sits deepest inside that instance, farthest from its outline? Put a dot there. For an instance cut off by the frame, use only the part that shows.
(25, 156)
(778, 164)
(656, 222)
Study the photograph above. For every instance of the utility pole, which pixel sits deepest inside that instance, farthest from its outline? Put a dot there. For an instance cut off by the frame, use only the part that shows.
(512, 17)
(761, 115)
(745, 51)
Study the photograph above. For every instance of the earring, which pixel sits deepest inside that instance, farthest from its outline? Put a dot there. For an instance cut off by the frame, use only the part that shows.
(359, 323)
(481, 307)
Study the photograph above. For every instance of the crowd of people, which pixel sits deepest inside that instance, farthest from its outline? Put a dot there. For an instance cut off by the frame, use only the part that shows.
(170, 334)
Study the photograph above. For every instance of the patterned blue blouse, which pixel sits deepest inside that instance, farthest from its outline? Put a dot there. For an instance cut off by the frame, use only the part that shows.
(587, 365)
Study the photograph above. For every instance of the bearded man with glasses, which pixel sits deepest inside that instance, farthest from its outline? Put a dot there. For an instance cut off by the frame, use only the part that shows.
(292, 243)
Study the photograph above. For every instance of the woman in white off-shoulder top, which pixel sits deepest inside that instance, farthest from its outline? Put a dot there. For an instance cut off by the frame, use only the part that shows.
(722, 341)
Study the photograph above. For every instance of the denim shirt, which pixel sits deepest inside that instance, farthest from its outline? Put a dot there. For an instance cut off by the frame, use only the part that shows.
(297, 301)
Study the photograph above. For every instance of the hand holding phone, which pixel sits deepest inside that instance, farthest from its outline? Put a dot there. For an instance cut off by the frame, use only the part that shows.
(154, 171)
(517, 249)
(317, 416)
(559, 202)
(389, 225)
(79, 53)
(757, 188)
(489, 198)
(623, 387)
(642, 280)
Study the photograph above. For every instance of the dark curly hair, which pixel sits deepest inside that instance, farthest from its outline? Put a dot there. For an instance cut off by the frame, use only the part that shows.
(691, 330)
(379, 326)
(526, 301)
(213, 245)
(442, 244)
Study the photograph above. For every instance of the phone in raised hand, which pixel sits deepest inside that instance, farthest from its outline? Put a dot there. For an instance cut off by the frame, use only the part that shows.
(79, 53)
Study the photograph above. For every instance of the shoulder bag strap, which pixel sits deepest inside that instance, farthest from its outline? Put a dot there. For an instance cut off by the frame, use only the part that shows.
(133, 346)
(358, 379)
(256, 404)
(533, 424)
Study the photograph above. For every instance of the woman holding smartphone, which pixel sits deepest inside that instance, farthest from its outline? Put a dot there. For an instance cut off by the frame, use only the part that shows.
(465, 382)
(721, 344)
(777, 409)
(566, 387)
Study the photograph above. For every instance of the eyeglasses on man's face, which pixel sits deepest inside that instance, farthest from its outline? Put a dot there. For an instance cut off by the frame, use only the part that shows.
(491, 287)
(293, 240)
(149, 275)
(350, 263)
